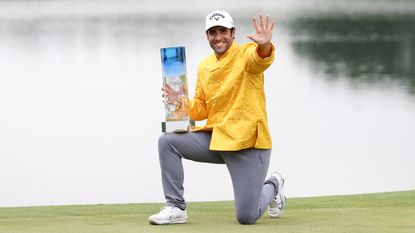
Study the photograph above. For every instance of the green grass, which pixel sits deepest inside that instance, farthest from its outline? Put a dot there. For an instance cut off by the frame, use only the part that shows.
(381, 212)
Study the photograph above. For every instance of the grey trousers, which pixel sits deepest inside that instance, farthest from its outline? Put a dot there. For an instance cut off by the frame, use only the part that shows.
(247, 169)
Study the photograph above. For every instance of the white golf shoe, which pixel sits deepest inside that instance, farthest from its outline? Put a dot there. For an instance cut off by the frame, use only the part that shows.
(277, 206)
(169, 215)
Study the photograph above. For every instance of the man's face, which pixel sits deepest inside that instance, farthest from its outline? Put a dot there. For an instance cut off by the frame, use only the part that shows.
(220, 39)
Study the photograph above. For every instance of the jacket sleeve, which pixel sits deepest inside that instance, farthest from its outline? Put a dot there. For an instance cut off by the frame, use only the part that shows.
(254, 63)
(197, 105)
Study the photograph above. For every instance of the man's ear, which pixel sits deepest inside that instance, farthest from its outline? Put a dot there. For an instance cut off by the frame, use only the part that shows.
(233, 32)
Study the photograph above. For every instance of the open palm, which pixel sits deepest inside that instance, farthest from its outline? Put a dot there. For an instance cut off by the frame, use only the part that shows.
(263, 31)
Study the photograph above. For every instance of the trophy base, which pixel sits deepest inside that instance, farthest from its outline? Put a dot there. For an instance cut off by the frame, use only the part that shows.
(177, 126)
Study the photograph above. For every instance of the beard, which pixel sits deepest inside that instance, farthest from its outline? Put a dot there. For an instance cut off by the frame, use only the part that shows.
(221, 47)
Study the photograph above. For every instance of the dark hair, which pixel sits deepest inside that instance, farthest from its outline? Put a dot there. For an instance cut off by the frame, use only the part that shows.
(232, 30)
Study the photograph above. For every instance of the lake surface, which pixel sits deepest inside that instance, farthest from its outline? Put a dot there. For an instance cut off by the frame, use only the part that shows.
(81, 106)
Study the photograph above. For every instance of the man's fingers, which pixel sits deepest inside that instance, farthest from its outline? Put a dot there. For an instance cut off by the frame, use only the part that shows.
(271, 27)
(267, 21)
(251, 37)
(261, 21)
(259, 26)
(254, 23)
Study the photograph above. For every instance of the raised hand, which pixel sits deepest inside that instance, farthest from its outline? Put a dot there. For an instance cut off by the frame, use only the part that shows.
(263, 34)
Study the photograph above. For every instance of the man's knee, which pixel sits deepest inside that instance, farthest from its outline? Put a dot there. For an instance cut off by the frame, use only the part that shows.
(166, 139)
(246, 218)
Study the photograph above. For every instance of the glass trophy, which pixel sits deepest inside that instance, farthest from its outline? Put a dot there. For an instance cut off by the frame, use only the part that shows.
(176, 98)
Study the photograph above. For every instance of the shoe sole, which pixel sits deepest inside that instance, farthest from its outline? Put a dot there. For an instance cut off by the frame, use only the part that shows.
(175, 221)
(279, 178)
(283, 200)
(283, 204)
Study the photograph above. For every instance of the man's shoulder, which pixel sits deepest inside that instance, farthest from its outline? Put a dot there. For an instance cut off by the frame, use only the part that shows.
(237, 48)
(241, 50)
(248, 45)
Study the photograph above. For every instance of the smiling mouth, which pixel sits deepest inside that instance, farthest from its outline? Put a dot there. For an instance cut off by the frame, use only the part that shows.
(220, 43)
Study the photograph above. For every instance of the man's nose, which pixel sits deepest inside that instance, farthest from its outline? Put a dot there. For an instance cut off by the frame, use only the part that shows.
(217, 36)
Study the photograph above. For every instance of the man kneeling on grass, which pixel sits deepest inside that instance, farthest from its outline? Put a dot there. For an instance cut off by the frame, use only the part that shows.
(230, 95)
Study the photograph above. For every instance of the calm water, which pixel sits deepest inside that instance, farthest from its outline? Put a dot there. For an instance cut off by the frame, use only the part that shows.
(80, 104)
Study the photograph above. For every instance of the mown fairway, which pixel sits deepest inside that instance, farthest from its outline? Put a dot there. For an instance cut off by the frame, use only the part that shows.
(377, 213)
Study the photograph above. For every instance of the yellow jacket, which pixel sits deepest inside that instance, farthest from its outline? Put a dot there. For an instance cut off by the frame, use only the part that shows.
(230, 95)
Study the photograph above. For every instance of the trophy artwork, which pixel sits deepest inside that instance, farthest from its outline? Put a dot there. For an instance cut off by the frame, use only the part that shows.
(176, 97)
